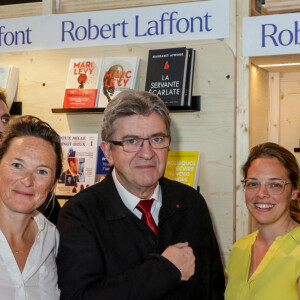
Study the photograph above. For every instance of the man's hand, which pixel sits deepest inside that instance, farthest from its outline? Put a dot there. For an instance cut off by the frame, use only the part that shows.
(182, 256)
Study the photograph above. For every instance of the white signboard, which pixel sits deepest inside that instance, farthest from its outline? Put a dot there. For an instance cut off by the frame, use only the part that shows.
(271, 35)
(163, 23)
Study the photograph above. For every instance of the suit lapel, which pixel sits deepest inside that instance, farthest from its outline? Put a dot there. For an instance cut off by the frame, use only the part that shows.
(171, 202)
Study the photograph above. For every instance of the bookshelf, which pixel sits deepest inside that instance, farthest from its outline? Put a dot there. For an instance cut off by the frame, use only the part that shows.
(196, 106)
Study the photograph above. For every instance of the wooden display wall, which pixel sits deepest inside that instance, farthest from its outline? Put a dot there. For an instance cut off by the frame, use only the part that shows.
(42, 82)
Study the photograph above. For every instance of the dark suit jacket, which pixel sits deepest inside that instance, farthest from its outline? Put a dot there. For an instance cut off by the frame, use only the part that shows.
(107, 253)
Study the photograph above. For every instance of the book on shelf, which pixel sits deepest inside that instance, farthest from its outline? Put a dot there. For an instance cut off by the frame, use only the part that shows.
(103, 166)
(170, 74)
(79, 162)
(82, 83)
(118, 73)
(189, 77)
(9, 76)
(183, 166)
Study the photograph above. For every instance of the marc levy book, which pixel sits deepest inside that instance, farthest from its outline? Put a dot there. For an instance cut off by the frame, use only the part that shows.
(119, 73)
(82, 83)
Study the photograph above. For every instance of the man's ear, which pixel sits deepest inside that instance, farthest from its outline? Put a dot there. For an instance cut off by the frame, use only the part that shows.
(106, 148)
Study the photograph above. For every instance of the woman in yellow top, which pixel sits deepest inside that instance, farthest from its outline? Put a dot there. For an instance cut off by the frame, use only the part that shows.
(266, 264)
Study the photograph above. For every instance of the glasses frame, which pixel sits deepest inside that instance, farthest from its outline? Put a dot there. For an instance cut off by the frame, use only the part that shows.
(120, 143)
(244, 181)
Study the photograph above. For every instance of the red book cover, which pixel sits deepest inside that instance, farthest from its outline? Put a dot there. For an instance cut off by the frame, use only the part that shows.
(82, 83)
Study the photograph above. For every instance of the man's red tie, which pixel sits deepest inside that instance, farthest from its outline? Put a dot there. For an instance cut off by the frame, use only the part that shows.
(144, 206)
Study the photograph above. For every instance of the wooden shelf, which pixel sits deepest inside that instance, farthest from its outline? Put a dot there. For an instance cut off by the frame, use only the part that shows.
(77, 110)
(196, 106)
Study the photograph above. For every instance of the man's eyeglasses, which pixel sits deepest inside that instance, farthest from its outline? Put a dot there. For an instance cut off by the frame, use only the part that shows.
(135, 144)
(274, 187)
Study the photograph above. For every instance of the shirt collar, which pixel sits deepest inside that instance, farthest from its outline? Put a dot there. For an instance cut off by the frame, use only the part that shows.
(128, 198)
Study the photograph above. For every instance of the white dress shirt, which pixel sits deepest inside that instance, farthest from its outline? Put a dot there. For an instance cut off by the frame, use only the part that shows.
(131, 201)
(38, 281)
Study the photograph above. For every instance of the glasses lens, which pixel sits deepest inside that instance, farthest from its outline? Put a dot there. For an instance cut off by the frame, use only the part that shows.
(274, 187)
(159, 142)
(135, 144)
(132, 145)
(251, 185)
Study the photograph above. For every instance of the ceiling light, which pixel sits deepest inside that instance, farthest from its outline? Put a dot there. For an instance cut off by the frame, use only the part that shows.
(280, 65)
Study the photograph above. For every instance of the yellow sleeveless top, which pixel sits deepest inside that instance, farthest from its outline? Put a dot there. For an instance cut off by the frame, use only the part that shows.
(276, 276)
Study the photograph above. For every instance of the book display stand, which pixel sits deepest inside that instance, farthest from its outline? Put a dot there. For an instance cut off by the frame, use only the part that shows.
(195, 106)
(297, 149)
(94, 110)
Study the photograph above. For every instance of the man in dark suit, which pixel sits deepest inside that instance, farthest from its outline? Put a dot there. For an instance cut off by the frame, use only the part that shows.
(137, 235)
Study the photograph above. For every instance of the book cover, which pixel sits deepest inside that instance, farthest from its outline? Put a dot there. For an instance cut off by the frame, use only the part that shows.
(103, 166)
(183, 166)
(82, 83)
(79, 163)
(166, 74)
(9, 76)
(119, 73)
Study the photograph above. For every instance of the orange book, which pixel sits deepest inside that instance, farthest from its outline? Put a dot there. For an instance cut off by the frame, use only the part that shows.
(82, 83)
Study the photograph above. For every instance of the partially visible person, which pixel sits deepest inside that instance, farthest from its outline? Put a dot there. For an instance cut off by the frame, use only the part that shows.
(51, 207)
(4, 114)
(30, 165)
(266, 263)
(136, 235)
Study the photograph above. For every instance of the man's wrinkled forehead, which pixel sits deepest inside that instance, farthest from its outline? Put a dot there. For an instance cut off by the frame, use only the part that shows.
(116, 126)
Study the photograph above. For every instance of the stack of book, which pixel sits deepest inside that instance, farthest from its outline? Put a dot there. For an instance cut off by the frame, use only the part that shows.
(93, 82)
(170, 75)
